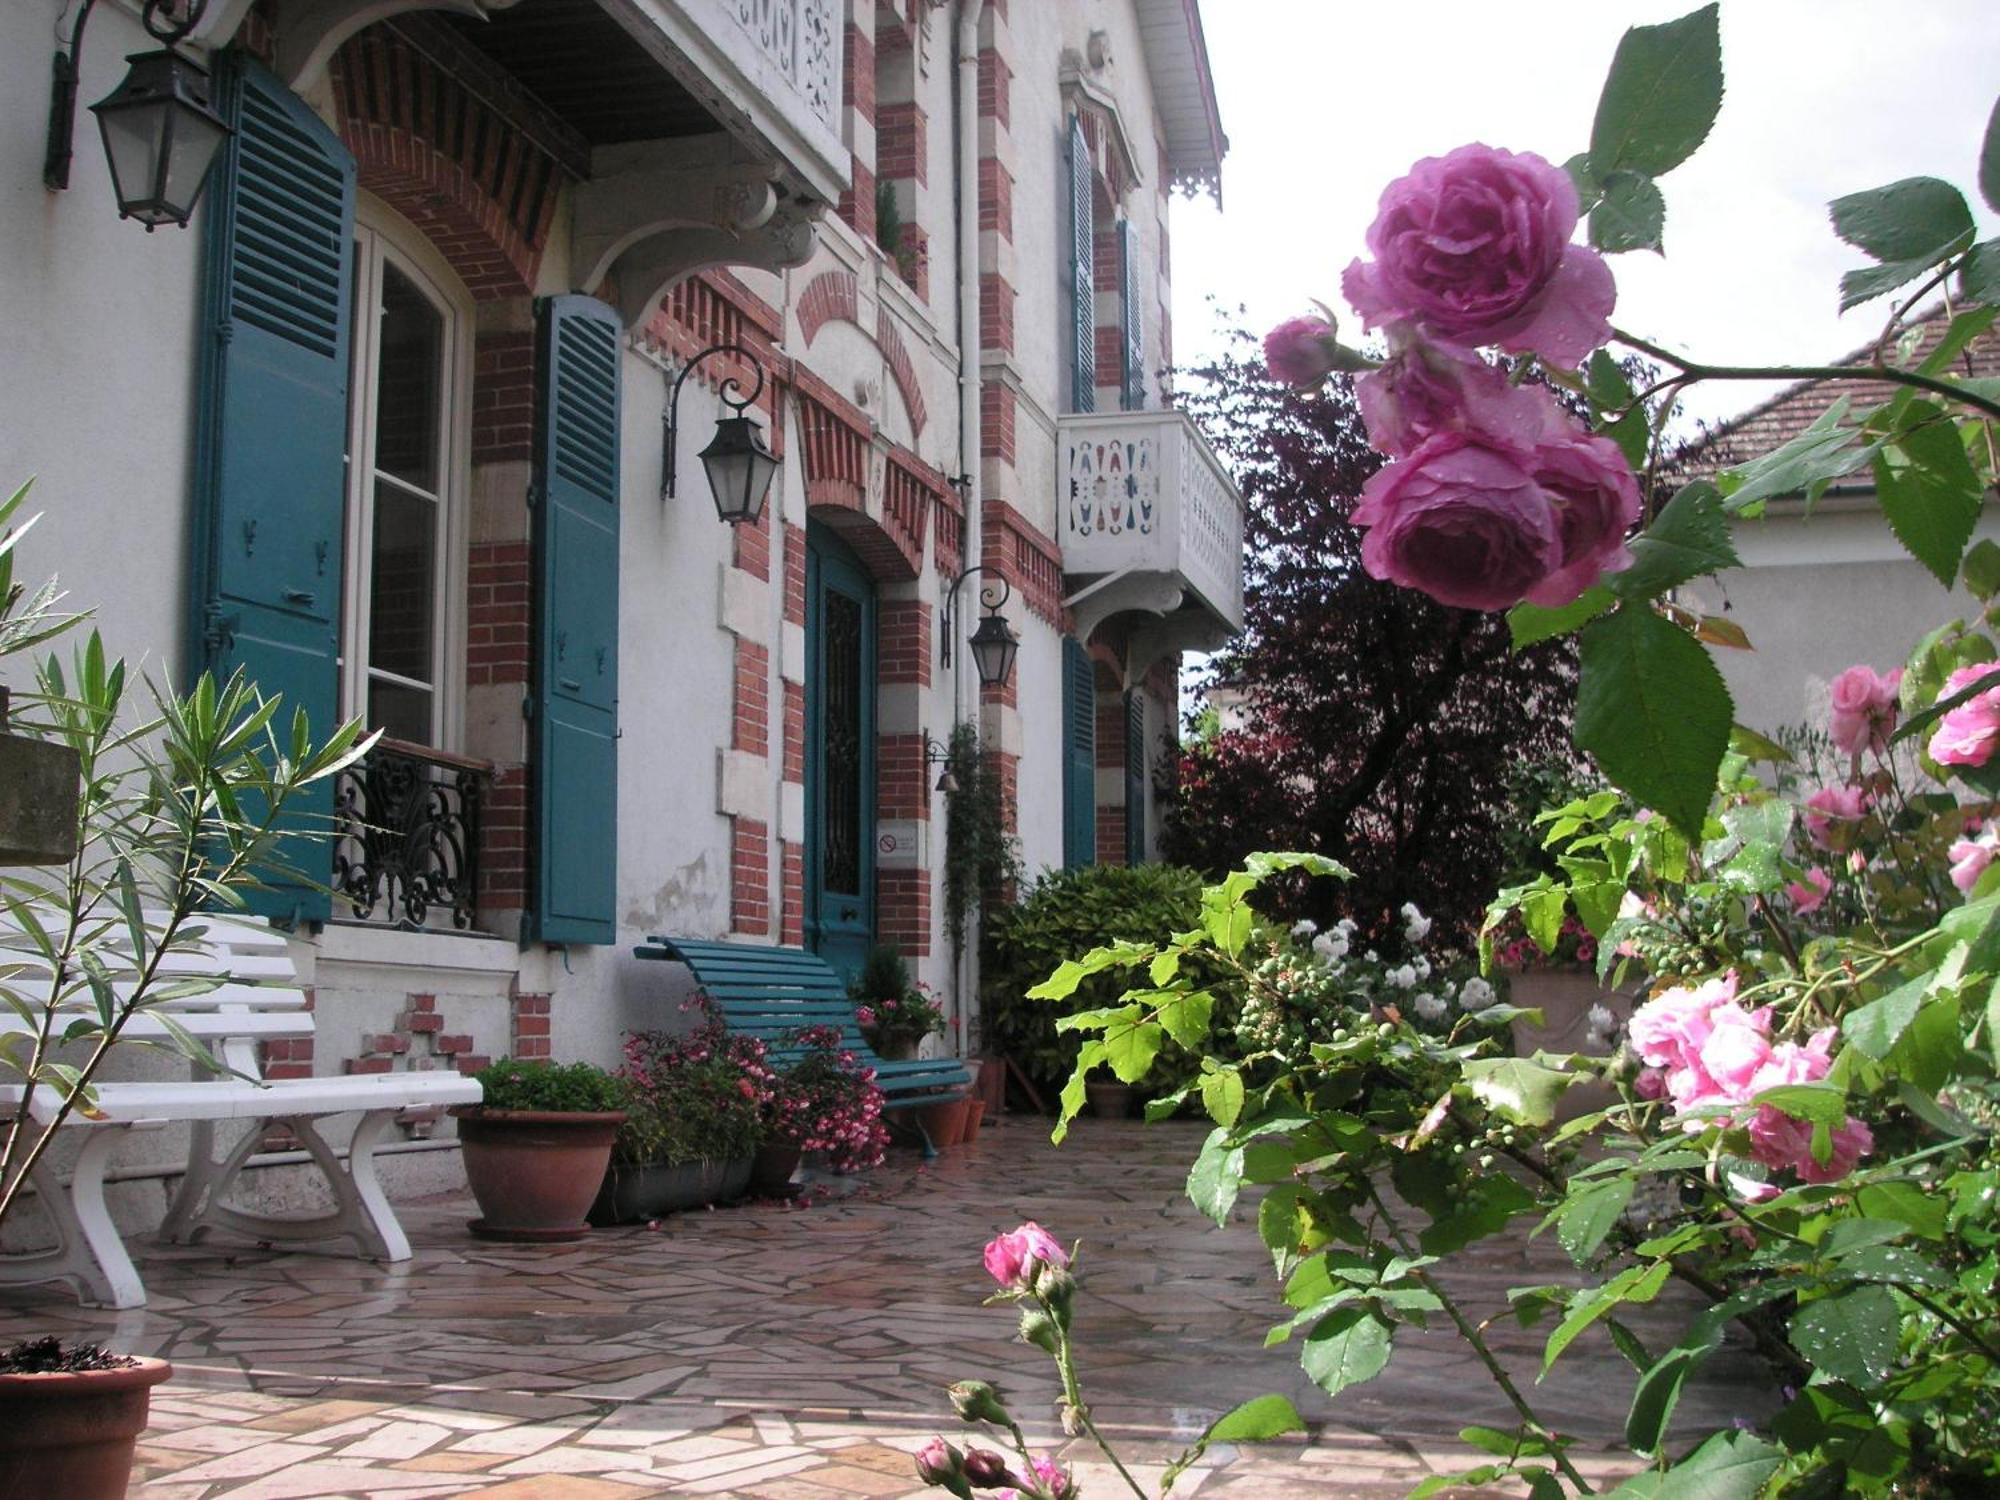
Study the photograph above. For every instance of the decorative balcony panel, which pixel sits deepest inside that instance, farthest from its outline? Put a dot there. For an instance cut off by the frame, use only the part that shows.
(406, 836)
(1150, 521)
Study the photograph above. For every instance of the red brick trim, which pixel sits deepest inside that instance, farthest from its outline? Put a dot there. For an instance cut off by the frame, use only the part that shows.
(996, 198)
(792, 925)
(528, 1025)
(830, 296)
(503, 397)
(950, 545)
(751, 720)
(857, 203)
(857, 73)
(497, 613)
(423, 1045)
(995, 88)
(473, 182)
(897, 354)
(289, 1057)
(996, 312)
(749, 876)
(996, 421)
(503, 841)
(902, 788)
(1026, 558)
(902, 143)
(903, 910)
(751, 547)
(794, 710)
(795, 574)
(903, 651)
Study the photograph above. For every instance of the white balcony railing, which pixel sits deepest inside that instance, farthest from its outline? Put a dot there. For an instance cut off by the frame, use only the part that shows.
(1144, 497)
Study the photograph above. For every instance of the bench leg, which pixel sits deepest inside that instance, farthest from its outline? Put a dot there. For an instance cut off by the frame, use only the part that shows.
(88, 1253)
(361, 1211)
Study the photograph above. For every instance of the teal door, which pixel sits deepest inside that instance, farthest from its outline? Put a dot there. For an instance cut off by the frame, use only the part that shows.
(840, 753)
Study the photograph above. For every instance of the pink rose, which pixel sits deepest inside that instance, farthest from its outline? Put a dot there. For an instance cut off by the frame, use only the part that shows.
(1301, 351)
(1777, 1140)
(1053, 1477)
(1427, 388)
(1473, 248)
(1862, 709)
(1809, 894)
(1966, 736)
(1462, 521)
(939, 1463)
(1011, 1258)
(1597, 502)
(1668, 1030)
(1969, 859)
(1736, 1052)
(1832, 813)
(985, 1469)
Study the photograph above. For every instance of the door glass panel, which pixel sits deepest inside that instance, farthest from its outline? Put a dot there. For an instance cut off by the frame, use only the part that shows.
(408, 380)
(399, 710)
(841, 664)
(403, 585)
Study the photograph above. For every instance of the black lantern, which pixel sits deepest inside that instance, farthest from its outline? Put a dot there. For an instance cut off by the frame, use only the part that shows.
(160, 137)
(740, 469)
(994, 644)
(739, 465)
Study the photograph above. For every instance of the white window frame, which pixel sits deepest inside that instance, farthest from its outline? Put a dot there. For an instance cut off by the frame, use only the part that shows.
(383, 236)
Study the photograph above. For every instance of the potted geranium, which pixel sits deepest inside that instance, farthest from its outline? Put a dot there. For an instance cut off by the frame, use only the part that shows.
(895, 1013)
(536, 1148)
(824, 1101)
(691, 1126)
(167, 815)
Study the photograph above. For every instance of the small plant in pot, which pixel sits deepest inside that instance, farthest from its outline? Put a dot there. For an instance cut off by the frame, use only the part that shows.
(126, 824)
(825, 1101)
(691, 1128)
(536, 1149)
(894, 1012)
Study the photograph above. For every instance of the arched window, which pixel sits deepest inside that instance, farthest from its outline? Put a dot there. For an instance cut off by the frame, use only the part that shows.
(408, 439)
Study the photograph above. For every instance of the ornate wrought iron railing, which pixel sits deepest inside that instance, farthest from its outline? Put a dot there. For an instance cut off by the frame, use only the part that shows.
(406, 847)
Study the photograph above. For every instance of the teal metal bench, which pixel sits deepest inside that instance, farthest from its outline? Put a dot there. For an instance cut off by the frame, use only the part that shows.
(772, 993)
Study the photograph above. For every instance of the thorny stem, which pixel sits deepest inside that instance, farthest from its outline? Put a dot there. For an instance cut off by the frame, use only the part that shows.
(1471, 1335)
(1696, 371)
(1073, 1397)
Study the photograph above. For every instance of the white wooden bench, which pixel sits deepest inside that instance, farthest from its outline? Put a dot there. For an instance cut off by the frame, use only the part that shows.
(259, 1002)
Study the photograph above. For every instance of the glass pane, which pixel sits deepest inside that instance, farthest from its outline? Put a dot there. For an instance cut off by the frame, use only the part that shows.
(842, 665)
(410, 375)
(402, 584)
(399, 711)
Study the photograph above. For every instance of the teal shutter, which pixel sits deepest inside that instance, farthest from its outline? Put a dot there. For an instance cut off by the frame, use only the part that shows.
(1079, 757)
(1135, 779)
(1082, 274)
(1132, 316)
(271, 427)
(576, 638)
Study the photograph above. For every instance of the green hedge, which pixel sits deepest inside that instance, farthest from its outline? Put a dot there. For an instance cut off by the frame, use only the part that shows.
(1064, 915)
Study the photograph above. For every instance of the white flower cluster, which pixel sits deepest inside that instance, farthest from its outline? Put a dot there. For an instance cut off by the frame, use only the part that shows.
(1476, 995)
(1431, 1008)
(1416, 926)
(1603, 1026)
(1332, 945)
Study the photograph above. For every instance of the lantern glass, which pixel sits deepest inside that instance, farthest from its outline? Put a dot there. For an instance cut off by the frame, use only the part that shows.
(994, 646)
(740, 469)
(160, 138)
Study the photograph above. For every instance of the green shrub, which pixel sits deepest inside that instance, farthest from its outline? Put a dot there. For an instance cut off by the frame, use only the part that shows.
(569, 1088)
(1063, 916)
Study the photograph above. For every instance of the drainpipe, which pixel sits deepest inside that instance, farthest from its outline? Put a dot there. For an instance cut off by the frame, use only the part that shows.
(964, 690)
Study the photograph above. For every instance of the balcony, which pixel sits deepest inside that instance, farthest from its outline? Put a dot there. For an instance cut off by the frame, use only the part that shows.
(407, 835)
(1150, 523)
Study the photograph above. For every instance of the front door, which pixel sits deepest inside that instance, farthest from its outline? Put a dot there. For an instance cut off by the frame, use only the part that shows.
(840, 753)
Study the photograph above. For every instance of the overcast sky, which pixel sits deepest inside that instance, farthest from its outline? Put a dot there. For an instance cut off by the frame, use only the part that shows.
(1326, 101)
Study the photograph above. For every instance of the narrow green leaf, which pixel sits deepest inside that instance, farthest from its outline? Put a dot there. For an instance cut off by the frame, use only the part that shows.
(1654, 711)
(1661, 97)
(1630, 216)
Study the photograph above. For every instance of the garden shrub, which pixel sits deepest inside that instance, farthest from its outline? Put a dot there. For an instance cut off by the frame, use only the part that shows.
(568, 1088)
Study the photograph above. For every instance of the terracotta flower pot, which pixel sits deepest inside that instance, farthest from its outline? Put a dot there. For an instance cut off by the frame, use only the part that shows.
(944, 1122)
(771, 1171)
(898, 1048)
(975, 1116)
(71, 1434)
(1109, 1100)
(534, 1171)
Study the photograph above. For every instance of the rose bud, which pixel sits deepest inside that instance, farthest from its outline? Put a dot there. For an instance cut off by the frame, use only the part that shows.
(976, 1401)
(986, 1471)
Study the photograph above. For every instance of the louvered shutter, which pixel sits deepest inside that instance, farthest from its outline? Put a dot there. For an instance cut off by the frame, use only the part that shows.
(1135, 779)
(1131, 314)
(271, 427)
(1083, 274)
(576, 639)
(1079, 757)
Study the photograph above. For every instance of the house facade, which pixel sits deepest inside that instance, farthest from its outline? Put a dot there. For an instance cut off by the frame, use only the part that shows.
(385, 428)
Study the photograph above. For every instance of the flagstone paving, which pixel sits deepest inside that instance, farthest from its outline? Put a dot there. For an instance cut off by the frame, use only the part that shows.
(800, 1354)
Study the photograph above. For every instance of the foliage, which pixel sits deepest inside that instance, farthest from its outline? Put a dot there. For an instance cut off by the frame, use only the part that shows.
(179, 811)
(693, 1096)
(1066, 912)
(980, 857)
(538, 1084)
(891, 1007)
(1382, 726)
(825, 1101)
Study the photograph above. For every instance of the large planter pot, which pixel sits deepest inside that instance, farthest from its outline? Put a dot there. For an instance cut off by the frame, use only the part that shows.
(898, 1049)
(975, 1116)
(772, 1168)
(71, 1434)
(943, 1123)
(1109, 1100)
(631, 1194)
(534, 1171)
(1565, 997)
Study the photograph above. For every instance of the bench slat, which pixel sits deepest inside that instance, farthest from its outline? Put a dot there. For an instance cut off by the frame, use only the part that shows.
(232, 1099)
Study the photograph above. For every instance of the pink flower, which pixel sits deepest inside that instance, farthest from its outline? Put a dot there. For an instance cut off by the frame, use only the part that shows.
(1301, 351)
(1969, 859)
(939, 1463)
(1428, 388)
(1777, 1140)
(1735, 1052)
(1668, 1030)
(1967, 735)
(864, 1016)
(1863, 709)
(1473, 248)
(1053, 1477)
(1832, 813)
(1597, 502)
(1461, 520)
(1011, 1258)
(1809, 894)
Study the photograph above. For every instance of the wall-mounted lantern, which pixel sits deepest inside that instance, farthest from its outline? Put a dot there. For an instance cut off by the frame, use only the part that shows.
(738, 464)
(994, 644)
(160, 135)
(939, 754)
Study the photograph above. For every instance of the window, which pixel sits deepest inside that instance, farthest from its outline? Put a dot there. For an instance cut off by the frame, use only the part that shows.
(405, 466)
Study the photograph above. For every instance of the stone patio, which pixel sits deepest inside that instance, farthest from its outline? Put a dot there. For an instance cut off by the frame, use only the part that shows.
(800, 1353)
